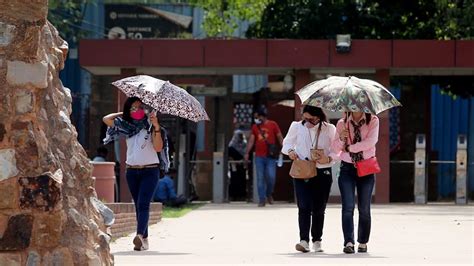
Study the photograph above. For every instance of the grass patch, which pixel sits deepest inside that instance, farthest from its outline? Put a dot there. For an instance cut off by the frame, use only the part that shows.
(171, 212)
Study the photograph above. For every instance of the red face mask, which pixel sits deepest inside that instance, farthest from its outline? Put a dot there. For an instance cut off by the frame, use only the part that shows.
(138, 114)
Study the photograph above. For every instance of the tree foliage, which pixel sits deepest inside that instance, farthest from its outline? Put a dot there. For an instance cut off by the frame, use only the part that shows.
(222, 17)
(67, 16)
(372, 19)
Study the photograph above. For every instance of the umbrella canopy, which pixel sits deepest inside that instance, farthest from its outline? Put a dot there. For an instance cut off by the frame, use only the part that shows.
(163, 96)
(348, 94)
(287, 103)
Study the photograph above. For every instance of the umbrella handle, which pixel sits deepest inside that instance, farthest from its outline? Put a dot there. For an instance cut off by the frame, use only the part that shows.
(155, 112)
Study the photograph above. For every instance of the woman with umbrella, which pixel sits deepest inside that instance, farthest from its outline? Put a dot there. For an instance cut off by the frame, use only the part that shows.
(144, 137)
(142, 159)
(356, 136)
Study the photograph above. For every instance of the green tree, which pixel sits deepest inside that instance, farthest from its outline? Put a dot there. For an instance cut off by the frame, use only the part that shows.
(222, 16)
(67, 17)
(374, 19)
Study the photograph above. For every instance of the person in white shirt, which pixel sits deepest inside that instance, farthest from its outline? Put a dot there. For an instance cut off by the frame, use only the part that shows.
(143, 143)
(313, 132)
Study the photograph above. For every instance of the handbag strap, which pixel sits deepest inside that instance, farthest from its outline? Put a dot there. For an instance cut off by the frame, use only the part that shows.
(349, 131)
(263, 135)
(317, 138)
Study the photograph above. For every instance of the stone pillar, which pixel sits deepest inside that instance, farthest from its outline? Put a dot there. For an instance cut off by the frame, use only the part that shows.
(48, 207)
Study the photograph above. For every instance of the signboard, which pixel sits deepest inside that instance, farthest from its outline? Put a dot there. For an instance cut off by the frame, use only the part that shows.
(142, 22)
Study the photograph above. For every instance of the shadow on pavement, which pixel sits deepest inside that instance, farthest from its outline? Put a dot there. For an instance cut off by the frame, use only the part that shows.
(329, 255)
(148, 253)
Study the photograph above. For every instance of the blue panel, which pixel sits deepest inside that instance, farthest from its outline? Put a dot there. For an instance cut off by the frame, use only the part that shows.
(470, 143)
(395, 121)
(449, 119)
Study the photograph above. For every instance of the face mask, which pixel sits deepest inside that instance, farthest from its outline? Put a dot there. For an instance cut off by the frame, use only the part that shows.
(257, 121)
(309, 124)
(138, 114)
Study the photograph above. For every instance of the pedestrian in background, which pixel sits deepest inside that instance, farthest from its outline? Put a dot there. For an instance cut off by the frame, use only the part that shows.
(265, 134)
(236, 150)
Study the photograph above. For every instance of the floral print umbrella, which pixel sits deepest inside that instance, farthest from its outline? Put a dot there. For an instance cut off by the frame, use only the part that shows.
(348, 94)
(163, 96)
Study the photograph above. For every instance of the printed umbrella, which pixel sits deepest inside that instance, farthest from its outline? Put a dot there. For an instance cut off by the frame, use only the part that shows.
(163, 96)
(348, 94)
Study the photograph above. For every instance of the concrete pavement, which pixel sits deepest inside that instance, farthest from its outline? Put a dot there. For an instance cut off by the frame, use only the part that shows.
(241, 233)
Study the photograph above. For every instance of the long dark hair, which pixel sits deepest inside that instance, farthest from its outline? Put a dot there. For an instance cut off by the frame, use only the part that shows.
(126, 108)
(316, 111)
(368, 117)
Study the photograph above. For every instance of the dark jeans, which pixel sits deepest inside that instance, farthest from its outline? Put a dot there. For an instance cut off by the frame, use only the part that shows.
(142, 184)
(312, 195)
(348, 182)
(177, 202)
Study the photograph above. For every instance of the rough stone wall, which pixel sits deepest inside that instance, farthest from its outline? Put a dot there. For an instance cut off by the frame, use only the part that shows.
(48, 213)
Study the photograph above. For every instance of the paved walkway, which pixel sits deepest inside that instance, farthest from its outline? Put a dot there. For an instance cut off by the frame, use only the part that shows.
(241, 233)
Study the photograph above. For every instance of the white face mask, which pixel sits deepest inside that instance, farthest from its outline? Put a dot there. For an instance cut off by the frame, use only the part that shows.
(257, 121)
(309, 125)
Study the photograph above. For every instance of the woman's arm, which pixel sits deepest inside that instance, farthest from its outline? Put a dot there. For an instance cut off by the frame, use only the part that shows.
(109, 119)
(334, 154)
(337, 143)
(289, 142)
(156, 133)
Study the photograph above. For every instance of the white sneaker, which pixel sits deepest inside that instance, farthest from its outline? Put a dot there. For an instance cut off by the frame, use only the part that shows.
(302, 246)
(145, 244)
(317, 246)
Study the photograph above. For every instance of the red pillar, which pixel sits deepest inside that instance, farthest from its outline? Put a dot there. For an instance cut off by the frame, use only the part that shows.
(382, 187)
(302, 78)
(125, 195)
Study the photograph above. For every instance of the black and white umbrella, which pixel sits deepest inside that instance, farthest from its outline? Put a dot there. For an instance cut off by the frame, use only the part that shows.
(163, 96)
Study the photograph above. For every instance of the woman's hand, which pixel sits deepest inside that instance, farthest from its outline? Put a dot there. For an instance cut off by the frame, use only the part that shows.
(154, 121)
(293, 156)
(343, 135)
(323, 159)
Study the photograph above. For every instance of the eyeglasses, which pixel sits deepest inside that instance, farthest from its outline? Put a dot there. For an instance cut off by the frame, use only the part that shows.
(136, 108)
(312, 121)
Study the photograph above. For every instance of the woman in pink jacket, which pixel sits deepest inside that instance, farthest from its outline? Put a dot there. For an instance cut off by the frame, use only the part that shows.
(356, 136)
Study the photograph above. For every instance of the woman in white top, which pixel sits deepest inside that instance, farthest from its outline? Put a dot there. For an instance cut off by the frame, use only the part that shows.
(312, 194)
(142, 161)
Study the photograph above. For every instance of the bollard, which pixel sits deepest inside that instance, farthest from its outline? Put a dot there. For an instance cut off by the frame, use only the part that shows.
(182, 182)
(461, 170)
(218, 181)
(421, 184)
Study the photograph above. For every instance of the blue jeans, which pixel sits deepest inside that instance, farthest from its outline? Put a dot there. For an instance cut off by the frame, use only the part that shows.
(266, 174)
(312, 196)
(142, 184)
(348, 182)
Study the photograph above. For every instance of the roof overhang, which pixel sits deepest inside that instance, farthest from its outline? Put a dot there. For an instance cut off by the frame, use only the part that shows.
(227, 57)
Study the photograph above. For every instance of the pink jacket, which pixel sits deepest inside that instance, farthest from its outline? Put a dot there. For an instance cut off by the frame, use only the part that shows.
(370, 136)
